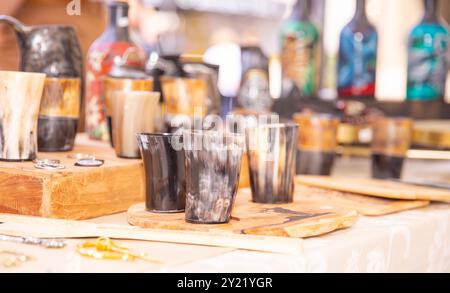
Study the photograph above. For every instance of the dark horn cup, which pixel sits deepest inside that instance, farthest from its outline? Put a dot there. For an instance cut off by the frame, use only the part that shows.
(163, 158)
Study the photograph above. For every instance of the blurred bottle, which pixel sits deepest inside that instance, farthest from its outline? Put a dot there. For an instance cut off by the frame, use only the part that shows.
(357, 57)
(254, 92)
(114, 48)
(428, 52)
(300, 40)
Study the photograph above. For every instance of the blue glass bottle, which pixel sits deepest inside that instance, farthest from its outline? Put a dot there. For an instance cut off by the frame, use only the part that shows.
(357, 56)
(428, 52)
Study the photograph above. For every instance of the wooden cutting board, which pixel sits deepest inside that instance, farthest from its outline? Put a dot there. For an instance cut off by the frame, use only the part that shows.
(365, 205)
(377, 188)
(305, 219)
(76, 192)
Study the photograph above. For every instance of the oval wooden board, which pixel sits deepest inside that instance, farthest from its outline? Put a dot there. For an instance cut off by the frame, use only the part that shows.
(377, 188)
(305, 219)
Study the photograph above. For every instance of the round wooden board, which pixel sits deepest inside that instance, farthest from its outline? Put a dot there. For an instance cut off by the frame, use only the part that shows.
(300, 219)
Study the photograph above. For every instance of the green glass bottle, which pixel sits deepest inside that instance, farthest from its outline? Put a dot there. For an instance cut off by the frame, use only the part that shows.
(299, 41)
(429, 44)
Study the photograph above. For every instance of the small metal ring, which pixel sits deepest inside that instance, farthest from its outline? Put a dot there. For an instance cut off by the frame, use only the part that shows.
(47, 161)
(49, 167)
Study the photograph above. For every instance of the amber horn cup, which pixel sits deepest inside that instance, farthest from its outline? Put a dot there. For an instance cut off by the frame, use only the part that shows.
(132, 113)
(390, 144)
(20, 99)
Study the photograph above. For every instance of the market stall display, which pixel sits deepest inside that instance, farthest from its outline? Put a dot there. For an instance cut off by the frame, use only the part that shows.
(188, 164)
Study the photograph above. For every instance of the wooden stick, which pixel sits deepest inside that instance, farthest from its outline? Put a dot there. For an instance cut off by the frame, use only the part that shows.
(52, 228)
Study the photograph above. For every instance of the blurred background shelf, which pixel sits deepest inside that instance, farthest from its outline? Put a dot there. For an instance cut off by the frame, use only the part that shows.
(193, 26)
(249, 8)
(418, 154)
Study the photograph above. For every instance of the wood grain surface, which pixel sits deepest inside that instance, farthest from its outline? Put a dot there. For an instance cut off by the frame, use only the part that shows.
(377, 188)
(73, 193)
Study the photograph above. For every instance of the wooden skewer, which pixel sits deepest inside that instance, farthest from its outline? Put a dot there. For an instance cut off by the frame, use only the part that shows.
(51, 228)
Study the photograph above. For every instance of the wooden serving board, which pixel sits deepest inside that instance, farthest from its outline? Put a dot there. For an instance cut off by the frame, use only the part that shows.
(365, 205)
(76, 192)
(305, 219)
(377, 188)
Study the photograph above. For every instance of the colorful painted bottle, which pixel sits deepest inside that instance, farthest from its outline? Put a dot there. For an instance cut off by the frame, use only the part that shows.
(357, 57)
(114, 48)
(428, 51)
(300, 40)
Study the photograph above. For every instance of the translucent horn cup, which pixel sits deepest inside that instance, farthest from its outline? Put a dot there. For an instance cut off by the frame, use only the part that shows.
(271, 151)
(213, 165)
(20, 99)
(390, 144)
(133, 112)
(317, 142)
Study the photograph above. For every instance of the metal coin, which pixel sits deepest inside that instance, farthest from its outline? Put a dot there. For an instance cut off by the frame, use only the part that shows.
(90, 163)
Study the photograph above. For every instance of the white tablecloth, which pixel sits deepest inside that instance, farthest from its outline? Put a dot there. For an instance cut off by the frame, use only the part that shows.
(411, 241)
